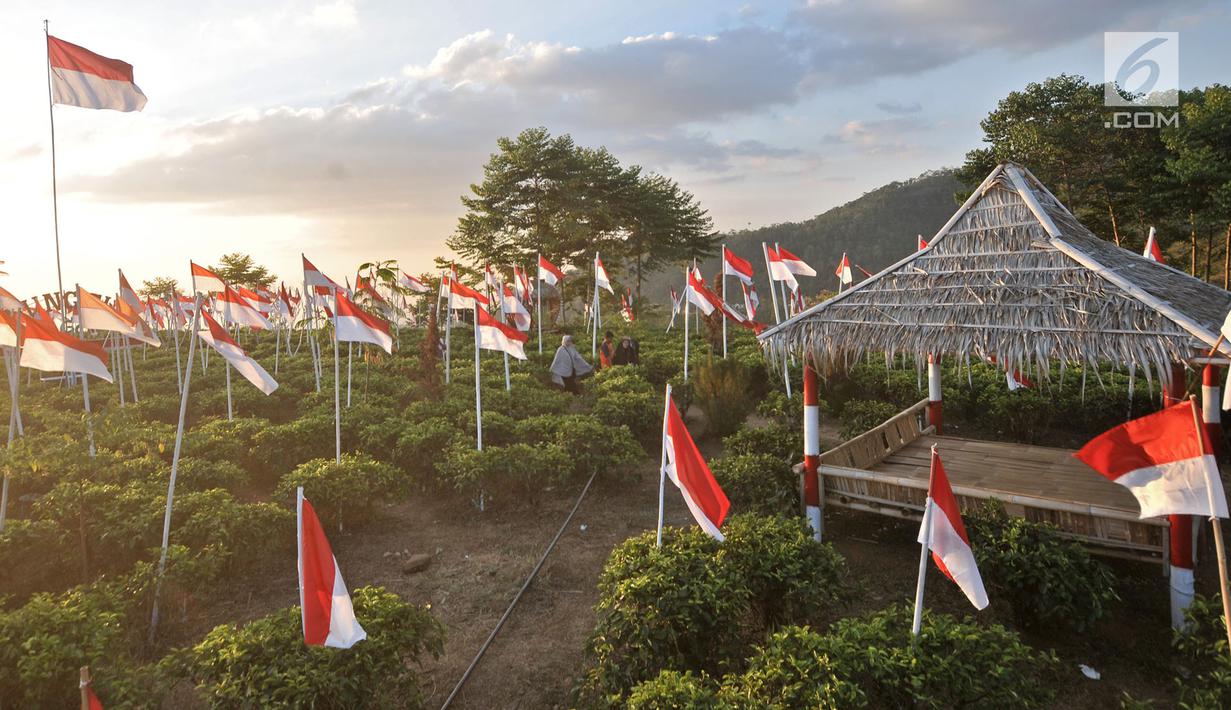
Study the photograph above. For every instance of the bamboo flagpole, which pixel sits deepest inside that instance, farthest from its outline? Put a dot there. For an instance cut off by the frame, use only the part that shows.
(337, 385)
(55, 200)
(174, 302)
(15, 425)
(687, 302)
(662, 466)
(132, 372)
(478, 398)
(925, 540)
(85, 379)
(175, 462)
(538, 293)
(723, 266)
(594, 313)
(1220, 550)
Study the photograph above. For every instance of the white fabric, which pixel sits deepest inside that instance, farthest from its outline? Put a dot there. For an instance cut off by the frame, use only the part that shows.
(1182, 593)
(52, 356)
(698, 300)
(75, 88)
(491, 338)
(600, 277)
(103, 320)
(568, 363)
(795, 266)
(779, 272)
(354, 330)
(545, 275)
(956, 555)
(1178, 487)
(243, 314)
(344, 628)
(516, 312)
(699, 515)
(243, 364)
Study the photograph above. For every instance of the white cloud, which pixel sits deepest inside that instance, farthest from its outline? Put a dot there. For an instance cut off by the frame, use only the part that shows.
(337, 15)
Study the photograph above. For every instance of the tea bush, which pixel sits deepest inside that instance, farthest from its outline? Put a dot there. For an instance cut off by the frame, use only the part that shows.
(724, 392)
(343, 493)
(672, 690)
(859, 416)
(758, 483)
(1202, 645)
(785, 443)
(792, 669)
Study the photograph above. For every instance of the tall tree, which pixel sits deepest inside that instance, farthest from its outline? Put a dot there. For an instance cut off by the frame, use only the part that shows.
(239, 268)
(158, 287)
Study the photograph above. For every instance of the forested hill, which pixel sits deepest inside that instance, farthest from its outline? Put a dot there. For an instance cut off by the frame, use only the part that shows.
(875, 230)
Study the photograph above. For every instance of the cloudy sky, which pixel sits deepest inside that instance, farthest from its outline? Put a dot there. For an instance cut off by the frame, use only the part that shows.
(347, 129)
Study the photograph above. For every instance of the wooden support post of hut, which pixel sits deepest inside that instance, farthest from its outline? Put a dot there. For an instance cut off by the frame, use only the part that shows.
(813, 501)
(1211, 407)
(1013, 279)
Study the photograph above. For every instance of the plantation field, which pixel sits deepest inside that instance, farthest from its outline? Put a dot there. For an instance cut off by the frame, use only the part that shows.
(606, 613)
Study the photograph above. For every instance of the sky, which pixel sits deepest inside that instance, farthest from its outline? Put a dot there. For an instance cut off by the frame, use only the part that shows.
(349, 129)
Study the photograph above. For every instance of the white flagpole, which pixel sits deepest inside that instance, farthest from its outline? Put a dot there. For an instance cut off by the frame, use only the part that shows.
(538, 292)
(687, 303)
(1221, 552)
(925, 535)
(350, 348)
(478, 398)
(337, 390)
(594, 313)
(173, 300)
(662, 466)
(132, 371)
(55, 204)
(175, 462)
(508, 387)
(786, 370)
(448, 330)
(724, 299)
(277, 342)
(85, 379)
(773, 294)
(14, 419)
(230, 414)
(116, 363)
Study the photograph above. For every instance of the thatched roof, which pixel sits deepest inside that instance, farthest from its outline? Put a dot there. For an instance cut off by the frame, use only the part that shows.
(1014, 275)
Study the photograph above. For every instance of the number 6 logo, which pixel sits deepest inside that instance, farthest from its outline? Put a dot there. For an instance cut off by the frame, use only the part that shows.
(1129, 55)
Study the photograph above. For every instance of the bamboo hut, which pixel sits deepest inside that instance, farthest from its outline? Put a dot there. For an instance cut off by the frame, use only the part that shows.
(1013, 278)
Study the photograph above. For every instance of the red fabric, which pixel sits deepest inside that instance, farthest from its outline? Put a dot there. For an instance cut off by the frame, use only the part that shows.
(1165, 436)
(842, 266)
(35, 329)
(66, 55)
(923, 244)
(941, 494)
(741, 265)
(347, 308)
(316, 577)
(92, 700)
(458, 288)
(692, 472)
(202, 271)
(220, 334)
(548, 266)
(486, 320)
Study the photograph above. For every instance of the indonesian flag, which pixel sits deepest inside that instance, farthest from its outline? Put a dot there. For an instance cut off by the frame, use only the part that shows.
(282, 304)
(600, 276)
(549, 272)
(1152, 252)
(751, 300)
(794, 264)
(8, 329)
(462, 297)
(626, 309)
(945, 535)
(328, 617)
(732, 265)
(95, 314)
(92, 701)
(313, 277)
(366, 285)
(140, 329)
(413, 284)
(778, 270)
(675, 301)
(843, 272)
(514, 309)
(1164, 459)
(237, 310)
(206, 281)
(688, 471)
(44, 347)
(9, 302)
(491, 278)
(82, 78)
(358, 326)
(127, 293)
(256, 299)
(494, 335)
(521, 283)
(1017, 381)
(220, 341)
(923, 243)
(155, 311)
(866, 274)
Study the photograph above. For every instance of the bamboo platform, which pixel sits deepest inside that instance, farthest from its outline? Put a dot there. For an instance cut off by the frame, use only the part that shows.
(885, 471)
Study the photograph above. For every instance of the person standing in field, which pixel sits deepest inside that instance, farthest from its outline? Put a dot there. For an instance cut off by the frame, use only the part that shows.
(568, 367)
(606, 351)
(628, 352)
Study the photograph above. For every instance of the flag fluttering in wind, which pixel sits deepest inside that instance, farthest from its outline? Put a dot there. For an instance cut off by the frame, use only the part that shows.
(794, 264)
(751, 300)
(688, 471)
(626, 309)
(549, 272)
(944, 534)
(464, 298)
(923, 243)
(140, 329)
(778, 270)
(521, 284)
(206, 281)
(218, 339)
(1164, 460)
(514, 309)
(701, 296)
(95, 314)
(1152, 251)
(9, 302)
(45, 347)
(600, 276)
(494, 335)
(326, 611)
(237, 310)
(127, 293)
(356, 325)
(82, 78)
(314, 278)
(732, 265)
(262, 303)
(407, 281)
(843, 272)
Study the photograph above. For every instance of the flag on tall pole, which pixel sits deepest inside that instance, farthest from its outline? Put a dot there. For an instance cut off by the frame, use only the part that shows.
(206, 281)
(356, 325)
(494, 335)
(44, 347)
(1152, 251)
(843, 272)
(326, 612)
(683, 463)
(82, 78)
(217, 338)
(733, 265)
(921, 244)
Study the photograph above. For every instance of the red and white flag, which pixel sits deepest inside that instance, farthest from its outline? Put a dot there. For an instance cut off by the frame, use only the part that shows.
(282, 304)
(1164, 460)
(676, 302)
(778, 270)
(626, 309)
(327, 614)
(1152, 251)
(44, 347)
(688, 471)
(140, 329)
(9, 302)
(945, 535)
(8, 329)
(94, 314)
(494, 335)
(237, 310)
(751, 300)
(82, 78)
(732, 265)
(127, 293)
(515, 310)
(923, 243)
(549, 272)
(600, 276)
(843, 272)
(218, 339)
(413, 284)
(206, 281)
(521, 283)
(491, 279)
(464, 298)
(356, 325)
(794, 264)
(313, 277)
(262, 303)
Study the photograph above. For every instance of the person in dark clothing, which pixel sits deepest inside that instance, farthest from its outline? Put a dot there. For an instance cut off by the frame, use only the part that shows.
(606, 351)
(628, 352)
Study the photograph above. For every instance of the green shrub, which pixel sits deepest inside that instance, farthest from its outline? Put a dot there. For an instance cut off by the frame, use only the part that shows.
(1046, 579)
(281, 448)
(641, 412)
(199, 474)
(758, 483)
(672, 690)
(343, 493)
(217, 439)
(859, 416)
(1203, 646)
(792, 670)
(266, 663)
(785, 443)
(517, 472)
(594, 446)
(954, 664)
(420, 447)
(723, 389)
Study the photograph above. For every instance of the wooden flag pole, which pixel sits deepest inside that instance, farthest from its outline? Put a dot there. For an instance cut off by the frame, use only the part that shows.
(1220, 550)
(85, 688)
(175, 462)
(662, 466)
(926, 534)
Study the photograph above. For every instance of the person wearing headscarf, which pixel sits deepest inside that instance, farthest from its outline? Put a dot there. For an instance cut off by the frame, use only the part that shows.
(568, 367)
(627, 352)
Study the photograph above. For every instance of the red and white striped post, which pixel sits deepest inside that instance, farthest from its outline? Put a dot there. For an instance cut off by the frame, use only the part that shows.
(1211, 407)
(812, 450)
(1181, 568)
(935, 413)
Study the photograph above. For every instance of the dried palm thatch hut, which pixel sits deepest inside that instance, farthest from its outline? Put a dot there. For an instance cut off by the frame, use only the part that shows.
(1014, 275)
